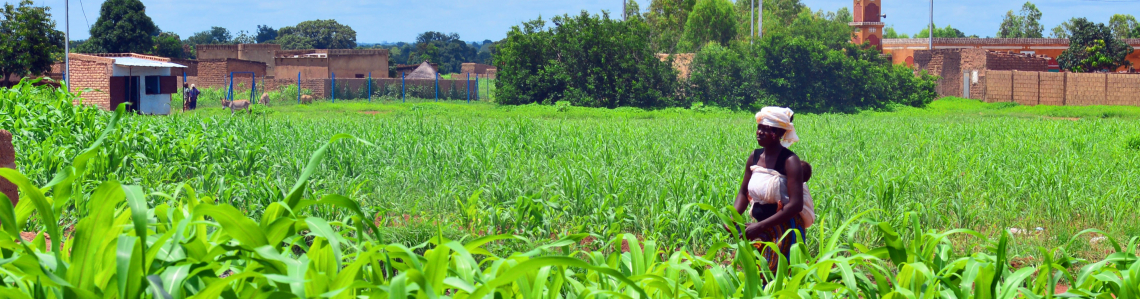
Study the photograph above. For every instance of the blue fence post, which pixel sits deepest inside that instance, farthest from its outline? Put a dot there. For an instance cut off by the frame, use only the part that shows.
(477, 90)
(437, 87)
(469, 88)
(369, 87)
(334, 87)
(253, 90)
(403, 91)
(230, 94)
(298, 87)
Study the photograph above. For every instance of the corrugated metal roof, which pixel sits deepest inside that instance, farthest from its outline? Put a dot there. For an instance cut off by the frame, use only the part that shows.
(133, 61)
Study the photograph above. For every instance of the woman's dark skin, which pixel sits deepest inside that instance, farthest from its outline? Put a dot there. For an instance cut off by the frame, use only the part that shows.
(769, 138)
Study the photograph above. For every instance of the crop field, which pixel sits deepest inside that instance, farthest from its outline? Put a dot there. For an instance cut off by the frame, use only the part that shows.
(462, 200)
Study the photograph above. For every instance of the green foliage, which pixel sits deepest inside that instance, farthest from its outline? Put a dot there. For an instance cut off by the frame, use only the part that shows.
(589, 60)
(265, 33)
(1092, 47)
(447, 50)
(889, 32)
(829, 28)
(215, 36)
(321, 34)
(123, 27)
(666, 20)
(946, 32)
(1133, 143)
(28, 40)
(1025, 25)
(711, 21)
(1123, 26)
(169, 44)
(804, 74)
(293, 42)
(129, 243)
(1063, 30)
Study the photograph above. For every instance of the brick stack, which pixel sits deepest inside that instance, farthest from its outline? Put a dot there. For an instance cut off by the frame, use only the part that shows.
(216, 72)
(8, 160)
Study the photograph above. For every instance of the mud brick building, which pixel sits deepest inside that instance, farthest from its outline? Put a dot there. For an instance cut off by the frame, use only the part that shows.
(477, 70)
(263, 53)
(142, 80)
(963, 72)
(215, 73)
(321, 64)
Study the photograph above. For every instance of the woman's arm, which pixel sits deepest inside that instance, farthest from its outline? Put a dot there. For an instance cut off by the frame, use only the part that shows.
(795, 199)
(741, 203)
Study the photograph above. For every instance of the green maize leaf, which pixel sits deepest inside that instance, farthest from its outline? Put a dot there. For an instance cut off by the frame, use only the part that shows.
(215, 289)
(137, 201)
(129, 266)
(8, 216)
(235, 224)
(294, 196)
(91, 231)
(156, 288)
(36, 197)
(320, 228)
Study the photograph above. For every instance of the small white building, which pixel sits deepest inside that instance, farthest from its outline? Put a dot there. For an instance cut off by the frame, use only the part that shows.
(144, 82)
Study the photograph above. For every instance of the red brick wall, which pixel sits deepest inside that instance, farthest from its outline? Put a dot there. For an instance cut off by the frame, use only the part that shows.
(94, 73)
(1003, 61)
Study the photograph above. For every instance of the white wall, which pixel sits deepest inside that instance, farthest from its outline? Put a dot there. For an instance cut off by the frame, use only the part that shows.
(148, 103)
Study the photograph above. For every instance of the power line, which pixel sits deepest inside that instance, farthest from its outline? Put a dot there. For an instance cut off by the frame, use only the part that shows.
(84, 15)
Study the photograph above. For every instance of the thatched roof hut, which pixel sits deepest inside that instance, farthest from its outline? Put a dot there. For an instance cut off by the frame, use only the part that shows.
(424, 71)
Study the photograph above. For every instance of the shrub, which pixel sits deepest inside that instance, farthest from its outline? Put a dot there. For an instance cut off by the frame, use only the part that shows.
(589, 60)
(1133, 143)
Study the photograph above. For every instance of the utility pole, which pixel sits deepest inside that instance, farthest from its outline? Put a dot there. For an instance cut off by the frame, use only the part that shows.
(624, 16)
(760, 18)
(930, 45)
(67, 44)
(751, 24)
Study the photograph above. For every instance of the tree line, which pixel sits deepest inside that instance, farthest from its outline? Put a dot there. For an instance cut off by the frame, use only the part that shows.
(804, 60)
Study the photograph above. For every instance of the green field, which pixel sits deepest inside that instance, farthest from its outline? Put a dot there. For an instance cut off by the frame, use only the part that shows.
(464, 171)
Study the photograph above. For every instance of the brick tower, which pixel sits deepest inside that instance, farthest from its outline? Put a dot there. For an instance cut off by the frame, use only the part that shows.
(868, 24)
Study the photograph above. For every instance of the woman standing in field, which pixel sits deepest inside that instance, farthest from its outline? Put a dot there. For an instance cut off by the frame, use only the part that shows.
(774, 186)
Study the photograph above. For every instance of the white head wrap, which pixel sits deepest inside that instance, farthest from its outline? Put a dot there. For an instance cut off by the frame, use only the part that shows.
(779, 117)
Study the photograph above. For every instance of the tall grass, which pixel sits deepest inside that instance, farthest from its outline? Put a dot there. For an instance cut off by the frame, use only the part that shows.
(481, 169)
(134, 241)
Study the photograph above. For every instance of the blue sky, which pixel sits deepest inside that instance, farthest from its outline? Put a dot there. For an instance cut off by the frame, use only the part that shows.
(476, 20)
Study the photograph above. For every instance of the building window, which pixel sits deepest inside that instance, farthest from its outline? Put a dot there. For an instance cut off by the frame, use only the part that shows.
(873, 30)
(152, 86)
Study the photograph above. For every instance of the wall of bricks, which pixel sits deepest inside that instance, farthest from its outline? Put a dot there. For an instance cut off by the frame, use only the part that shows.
(92, 72)
(208, 52)
(1072, 89)
(1123, 90)
(215, 73)
(953, 65)
(999, 86)
(1026, 87)
(1085, 89)
(1052, 88)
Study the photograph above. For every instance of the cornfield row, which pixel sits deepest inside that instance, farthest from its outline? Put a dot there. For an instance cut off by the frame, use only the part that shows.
(540, 207)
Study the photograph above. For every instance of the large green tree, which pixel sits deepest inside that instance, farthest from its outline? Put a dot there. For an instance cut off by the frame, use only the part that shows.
(216, 35)
(265, 33)
(123, 26)
(589, 60)
(1092, 48)
(447, 50)
(168, 44)
(28, 40)
(666, 20)
(1027, 24)
(322, 34)
(710, 21)
(1123, 26)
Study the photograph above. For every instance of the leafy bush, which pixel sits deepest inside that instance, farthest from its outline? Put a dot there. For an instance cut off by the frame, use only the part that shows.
(589, 60)
(804, 74)
(1133, 143)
